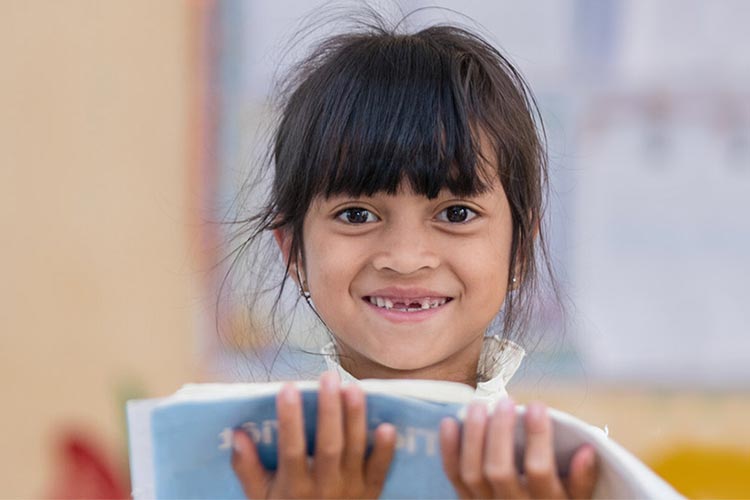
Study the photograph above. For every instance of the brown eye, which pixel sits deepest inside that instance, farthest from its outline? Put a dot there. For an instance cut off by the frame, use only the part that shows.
(356, 215)
(457, 214)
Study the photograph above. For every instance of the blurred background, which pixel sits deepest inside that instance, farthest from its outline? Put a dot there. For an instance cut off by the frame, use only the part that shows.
(127, 127)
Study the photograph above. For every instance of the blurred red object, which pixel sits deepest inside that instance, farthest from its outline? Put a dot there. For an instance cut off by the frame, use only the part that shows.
(82, 469)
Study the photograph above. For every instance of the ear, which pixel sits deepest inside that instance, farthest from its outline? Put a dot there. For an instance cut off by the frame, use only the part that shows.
(284, 241)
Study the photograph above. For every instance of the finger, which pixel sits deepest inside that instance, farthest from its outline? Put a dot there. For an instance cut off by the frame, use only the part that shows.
(539, 457)
(472, 451)
(450, 449)
(292, 447)
(355, 429)
(329, 439)
(583, 473)
(499, 463)
(253, 477)
(379, 461)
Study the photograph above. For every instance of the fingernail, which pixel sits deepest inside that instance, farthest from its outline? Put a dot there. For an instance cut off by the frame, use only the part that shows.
(447, 424)
(352, 395)
(477, 411)
(329, 381)
(236, 443)
(589, 459)
(536, 411)
(288, 393)
(386, 430)
(506, 406)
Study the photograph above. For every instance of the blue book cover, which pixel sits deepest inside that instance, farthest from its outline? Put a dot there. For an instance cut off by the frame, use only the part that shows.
(190, 438)
(180, 446)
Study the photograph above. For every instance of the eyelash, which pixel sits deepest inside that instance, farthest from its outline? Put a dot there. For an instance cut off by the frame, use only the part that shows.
(470, 216)
(342, 215)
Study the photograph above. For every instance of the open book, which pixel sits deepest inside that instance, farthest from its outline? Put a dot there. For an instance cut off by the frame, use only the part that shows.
(180, 446)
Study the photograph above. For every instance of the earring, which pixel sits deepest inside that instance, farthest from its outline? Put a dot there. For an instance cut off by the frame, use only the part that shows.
(302, 285)
(513, 284)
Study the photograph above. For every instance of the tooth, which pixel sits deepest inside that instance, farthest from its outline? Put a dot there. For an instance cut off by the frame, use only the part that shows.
(421, 304)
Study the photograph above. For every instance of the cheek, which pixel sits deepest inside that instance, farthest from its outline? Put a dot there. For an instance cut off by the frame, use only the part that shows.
(331, 264)
(489, 269)
(332, 274)
(489, 279)
(328, 276)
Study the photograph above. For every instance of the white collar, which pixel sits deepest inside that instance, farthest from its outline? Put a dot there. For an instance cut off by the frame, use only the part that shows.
(501, 357)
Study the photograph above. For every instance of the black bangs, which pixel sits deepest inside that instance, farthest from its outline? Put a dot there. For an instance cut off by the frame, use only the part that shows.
(388, 110)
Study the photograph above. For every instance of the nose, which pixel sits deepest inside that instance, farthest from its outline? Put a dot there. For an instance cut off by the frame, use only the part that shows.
(406, 249)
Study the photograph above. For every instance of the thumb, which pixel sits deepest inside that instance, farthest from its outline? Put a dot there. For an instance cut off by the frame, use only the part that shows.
(254, 478)
(583, 473)
(379, 461)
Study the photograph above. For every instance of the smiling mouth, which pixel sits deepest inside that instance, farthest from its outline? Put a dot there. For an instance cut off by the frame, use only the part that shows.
(407, 305)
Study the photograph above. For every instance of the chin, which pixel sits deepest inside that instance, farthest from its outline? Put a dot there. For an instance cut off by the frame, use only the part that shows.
(404, 362)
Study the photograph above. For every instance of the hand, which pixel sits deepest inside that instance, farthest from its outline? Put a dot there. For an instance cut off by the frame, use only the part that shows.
(482, 465)
(339, 468)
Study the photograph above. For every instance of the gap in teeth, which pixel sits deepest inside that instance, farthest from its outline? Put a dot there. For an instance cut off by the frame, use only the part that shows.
(423, 304)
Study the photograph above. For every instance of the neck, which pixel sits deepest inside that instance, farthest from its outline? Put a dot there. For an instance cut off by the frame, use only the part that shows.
(460, 367)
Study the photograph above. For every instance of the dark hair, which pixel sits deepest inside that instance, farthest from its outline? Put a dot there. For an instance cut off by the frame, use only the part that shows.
(375, 107)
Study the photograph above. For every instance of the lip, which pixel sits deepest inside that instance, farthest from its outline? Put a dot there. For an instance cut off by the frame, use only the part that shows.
(399, 293)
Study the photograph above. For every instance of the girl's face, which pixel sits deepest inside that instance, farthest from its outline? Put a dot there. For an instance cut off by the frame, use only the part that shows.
(409, 285)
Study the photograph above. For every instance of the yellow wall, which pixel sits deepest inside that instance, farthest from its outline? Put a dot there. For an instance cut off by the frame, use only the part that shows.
(699, 441)
(97, 287)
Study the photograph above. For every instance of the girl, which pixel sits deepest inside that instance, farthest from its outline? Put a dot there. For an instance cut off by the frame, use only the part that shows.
(407, 202)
